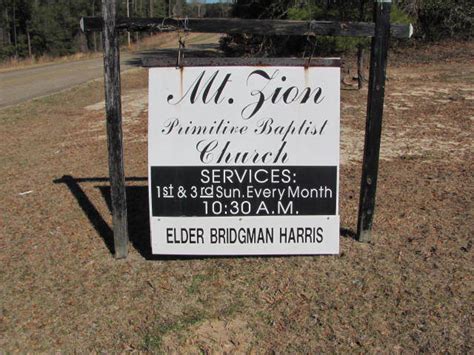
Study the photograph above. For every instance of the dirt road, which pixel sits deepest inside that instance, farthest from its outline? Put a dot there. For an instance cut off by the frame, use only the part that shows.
(21, 85)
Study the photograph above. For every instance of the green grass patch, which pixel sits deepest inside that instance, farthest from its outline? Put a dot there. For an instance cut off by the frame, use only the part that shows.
(153, 340)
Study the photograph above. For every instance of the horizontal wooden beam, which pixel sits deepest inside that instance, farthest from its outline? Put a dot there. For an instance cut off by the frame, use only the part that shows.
(230, 62)
(258, 27)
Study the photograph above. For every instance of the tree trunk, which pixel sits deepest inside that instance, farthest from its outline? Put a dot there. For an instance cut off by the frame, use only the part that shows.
(30, 54)
(150, 12)
(360, 51)
(14, 30)
(94, 41)
(83, 42)
(360, 66)
(7, 27)
(178, 9)
(128, 15)
(94, 35)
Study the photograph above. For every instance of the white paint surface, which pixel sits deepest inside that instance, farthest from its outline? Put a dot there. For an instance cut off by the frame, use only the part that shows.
(176, 149)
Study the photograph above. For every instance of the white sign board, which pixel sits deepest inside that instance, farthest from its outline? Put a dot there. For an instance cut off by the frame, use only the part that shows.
(244, 160)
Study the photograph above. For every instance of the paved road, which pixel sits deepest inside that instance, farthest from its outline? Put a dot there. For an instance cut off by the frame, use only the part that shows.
(24, 84)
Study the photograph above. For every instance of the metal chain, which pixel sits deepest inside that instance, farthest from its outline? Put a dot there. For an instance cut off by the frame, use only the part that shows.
(182, 35)
(311, 40)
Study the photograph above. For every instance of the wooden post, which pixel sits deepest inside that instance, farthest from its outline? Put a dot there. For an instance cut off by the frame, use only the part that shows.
(248, 26)
(373, 128)
(113, 108)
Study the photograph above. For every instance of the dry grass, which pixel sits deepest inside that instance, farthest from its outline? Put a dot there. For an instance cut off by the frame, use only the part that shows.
(22, 63)
(411, 290)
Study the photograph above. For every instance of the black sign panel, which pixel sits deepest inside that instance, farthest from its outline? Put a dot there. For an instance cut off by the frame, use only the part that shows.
(217, 191)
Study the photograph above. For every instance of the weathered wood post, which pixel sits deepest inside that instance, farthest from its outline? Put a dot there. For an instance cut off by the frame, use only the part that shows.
(113, 109)
(373, 128)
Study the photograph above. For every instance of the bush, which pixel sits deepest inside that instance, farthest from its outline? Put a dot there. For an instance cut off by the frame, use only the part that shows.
(439, 19)
(348, 10)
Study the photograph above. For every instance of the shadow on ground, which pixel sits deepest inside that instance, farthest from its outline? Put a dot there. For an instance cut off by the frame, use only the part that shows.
(137, 211)
(137, 208)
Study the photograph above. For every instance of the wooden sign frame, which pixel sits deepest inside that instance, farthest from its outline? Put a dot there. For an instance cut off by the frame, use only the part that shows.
(380, 31)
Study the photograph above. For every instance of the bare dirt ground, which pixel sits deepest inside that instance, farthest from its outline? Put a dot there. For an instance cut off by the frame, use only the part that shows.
(411, 290)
